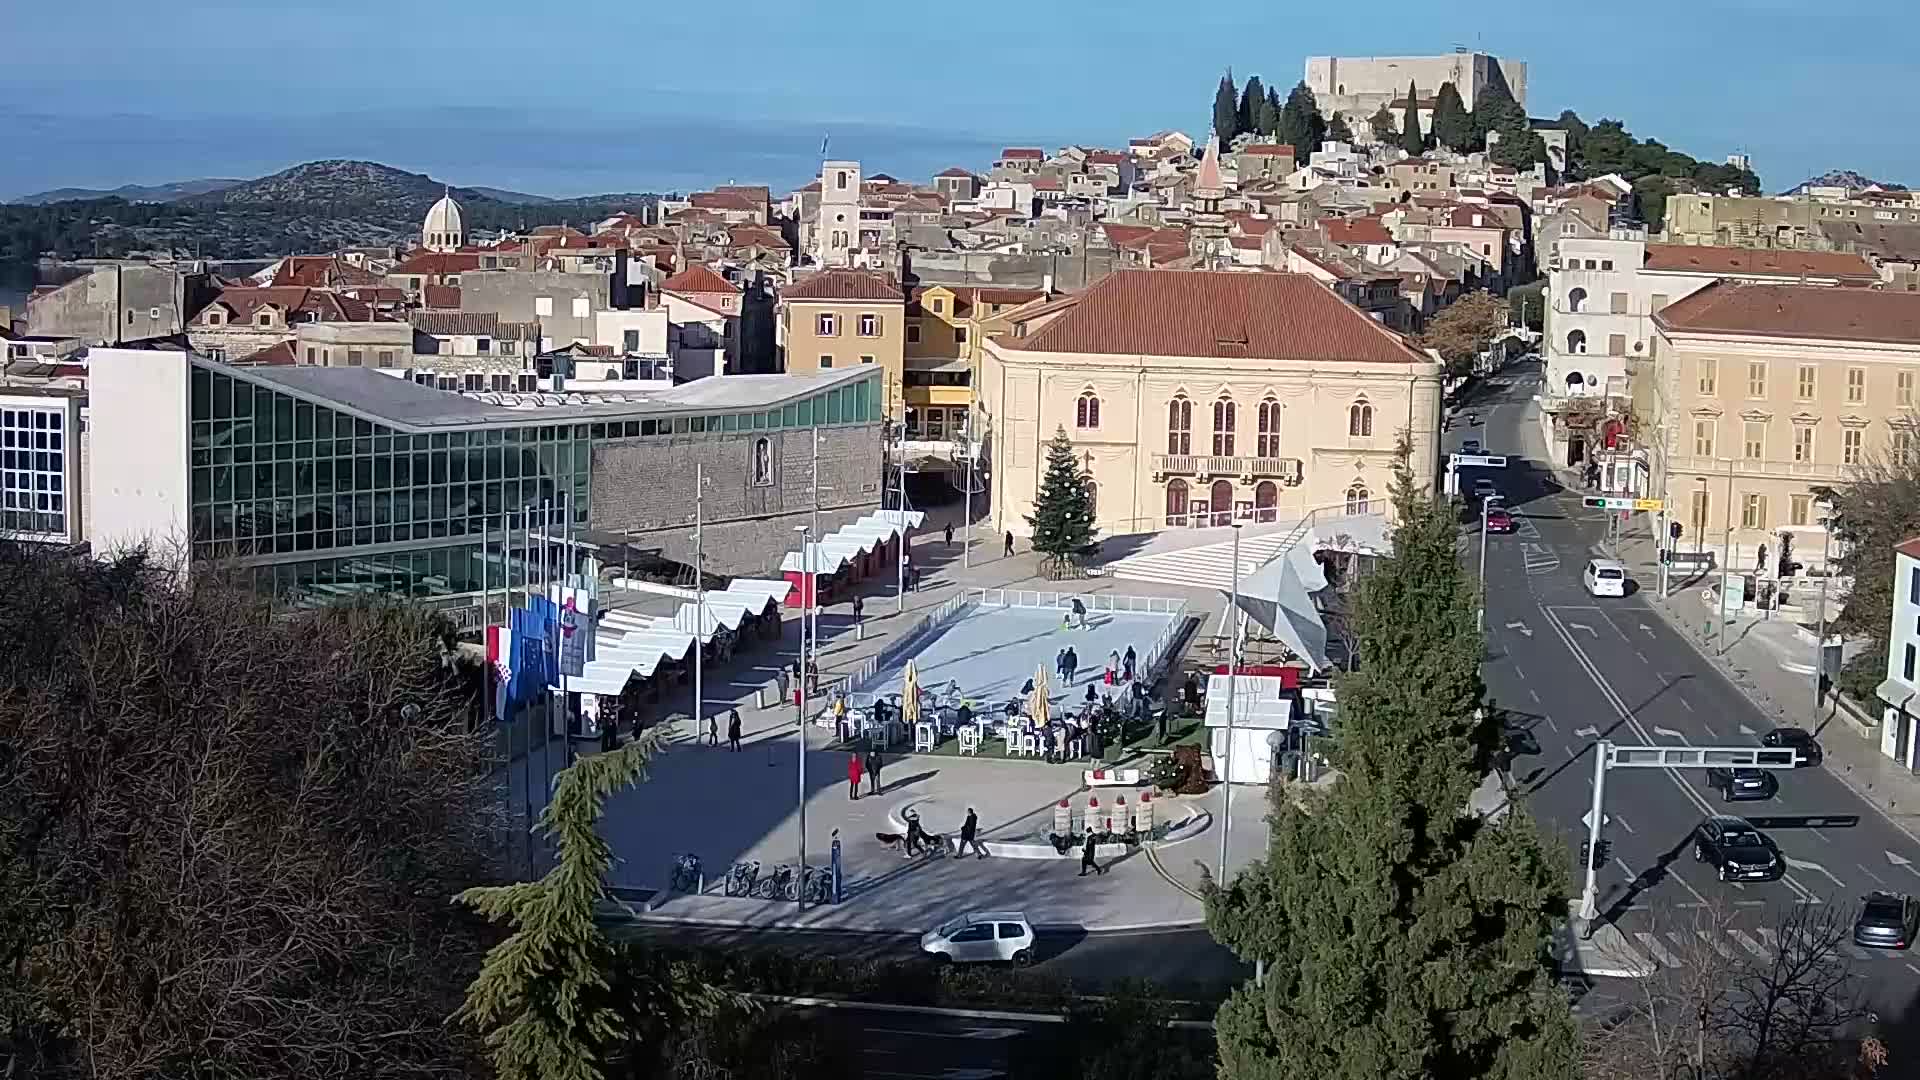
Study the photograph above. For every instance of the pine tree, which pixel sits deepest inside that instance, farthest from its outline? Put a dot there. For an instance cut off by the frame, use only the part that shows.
(1338, 131)
(1301, 125)
(558, 1000)
(1495, 111)
(1403, 939)
(1062, 517)
(1226, 110)
(1272, 111)
(1411, 140)
(1452, 126)
(1384, 129)
(1252, 98)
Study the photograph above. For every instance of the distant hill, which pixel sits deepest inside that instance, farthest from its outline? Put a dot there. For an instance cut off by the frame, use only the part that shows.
(504, 195)
(179, 189)
(1845, 178)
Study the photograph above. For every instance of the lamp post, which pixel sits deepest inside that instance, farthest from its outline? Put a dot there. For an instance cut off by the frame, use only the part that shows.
(1233, 685)
(1828, 519)
(1480, 613)
(1726, 566)
(808, 584)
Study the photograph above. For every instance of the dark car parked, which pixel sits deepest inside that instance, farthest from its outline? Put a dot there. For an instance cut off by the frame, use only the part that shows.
(1800, 739)
(1737, 850)
(1887, 921)
(1743, 783)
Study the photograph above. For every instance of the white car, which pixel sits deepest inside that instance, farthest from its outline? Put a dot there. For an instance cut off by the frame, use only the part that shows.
(981, 936)
(1605, 577)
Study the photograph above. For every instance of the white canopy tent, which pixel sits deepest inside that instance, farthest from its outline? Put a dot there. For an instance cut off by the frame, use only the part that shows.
(1261, 716)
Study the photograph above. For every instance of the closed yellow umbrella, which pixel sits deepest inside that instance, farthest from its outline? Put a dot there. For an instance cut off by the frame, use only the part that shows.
(910, 697)
(1038, 708)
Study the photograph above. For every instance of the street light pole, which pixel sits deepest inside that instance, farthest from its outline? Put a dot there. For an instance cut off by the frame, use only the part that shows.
(811, 612)
(1726, 565)
(1820, 640)
(699, 604)
(1233, 686)
(809, 584)
(901, 585)
(966, 545)
(1480, 613)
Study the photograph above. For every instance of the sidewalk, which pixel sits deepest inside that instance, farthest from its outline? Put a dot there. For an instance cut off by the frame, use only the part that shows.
(1769, 663)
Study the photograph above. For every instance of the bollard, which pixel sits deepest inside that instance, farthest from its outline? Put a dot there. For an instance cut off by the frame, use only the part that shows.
(760, 698)
(1117, 820)
(1143, 814)
(1063, 818)
(1090, 823)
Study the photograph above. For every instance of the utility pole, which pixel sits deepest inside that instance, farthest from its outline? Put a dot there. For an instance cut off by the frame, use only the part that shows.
(809, 584)
(1480, 612)
(1827, 522)
(966, 546)
(1726, 567)
(699, 603)
(811, 612)
(1233, 686)
(901, 586)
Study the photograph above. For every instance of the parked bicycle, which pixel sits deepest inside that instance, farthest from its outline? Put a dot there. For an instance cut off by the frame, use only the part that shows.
(819, 886)
(776, 885)
(741, 878)
(686, 874)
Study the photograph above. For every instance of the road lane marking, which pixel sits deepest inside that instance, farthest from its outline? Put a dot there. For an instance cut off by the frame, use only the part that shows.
(1668, 733)
(1744, 729)
(1522, 627)
(1684, 703)
(1711, 734)
(1651, 944)
(1586, 733)
(1517, 671)
(1859, 953)
(1771, 937)
(1714, 943)
(1588, 629)
(1871, 874)
(1536, 701)
(1814, 867)
(1750, 945)
(1622, 822)
(1915, 970)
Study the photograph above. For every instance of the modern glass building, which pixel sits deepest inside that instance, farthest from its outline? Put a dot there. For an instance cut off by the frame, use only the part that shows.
(322, 482)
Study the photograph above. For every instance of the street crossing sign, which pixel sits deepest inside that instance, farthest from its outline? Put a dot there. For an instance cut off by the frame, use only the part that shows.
(1614, 502)
(1489, 461)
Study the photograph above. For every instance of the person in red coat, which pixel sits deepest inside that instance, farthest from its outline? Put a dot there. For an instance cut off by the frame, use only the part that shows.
(854, 771)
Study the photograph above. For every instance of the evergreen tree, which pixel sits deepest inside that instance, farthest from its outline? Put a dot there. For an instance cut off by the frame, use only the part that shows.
(1411, 140)
(1337, 129)
(1301, 125)
(1252, 98)
(1517, 148)
(1452, 126)
(1495, 111)
(1062, 517)
(1272, 111)
(1384, 129)
(558, 1000)
(1403, 938)
(1226, 110)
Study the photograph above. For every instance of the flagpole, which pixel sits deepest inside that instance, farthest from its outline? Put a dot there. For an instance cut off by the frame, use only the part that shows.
(559, 644)
(548, 643)
(699, 606)
(526, 713)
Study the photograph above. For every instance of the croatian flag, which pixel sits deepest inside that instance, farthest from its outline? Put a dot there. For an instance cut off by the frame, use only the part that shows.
(500, 655)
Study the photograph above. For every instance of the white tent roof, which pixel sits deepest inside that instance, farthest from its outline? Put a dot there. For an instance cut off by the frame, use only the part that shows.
(760, 589)
(1279, 596)
(825, 560)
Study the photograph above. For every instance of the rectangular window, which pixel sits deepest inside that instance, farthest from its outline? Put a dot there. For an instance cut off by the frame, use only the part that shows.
(866, 359)
(356, 358)
(1703, 438)
(1904, 385)
(1803, 443)
(582, 307)
(1902, 446)
(1709, 376)
(1618, 303)
(484, 346)
(827, 325)
(1804, 385)
(1856, 384)
(869, 325)
(1906, 670)
(1616, 344)
(1701, 505)
(1754, 440)
(1799, 507)
(1850, 446)
(543, 305)
(386, 358)
(959, 335)
(309, 354)
(913, 335)
(630, 341)
(1913, 586)
(1757, 379)
(1659, 301)
(475, 382)
(1753, 512)
(826, 362)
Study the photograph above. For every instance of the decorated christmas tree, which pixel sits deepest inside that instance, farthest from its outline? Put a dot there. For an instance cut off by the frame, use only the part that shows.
(1062, 517)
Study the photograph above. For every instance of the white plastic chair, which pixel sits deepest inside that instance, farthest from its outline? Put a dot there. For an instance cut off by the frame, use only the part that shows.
(969, 740)
(1029, 744)
(923, 737)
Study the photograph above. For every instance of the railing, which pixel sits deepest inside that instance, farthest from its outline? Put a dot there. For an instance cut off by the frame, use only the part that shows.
(1287, 469)
(1095, 603)
(1804, 470)
(860, 676)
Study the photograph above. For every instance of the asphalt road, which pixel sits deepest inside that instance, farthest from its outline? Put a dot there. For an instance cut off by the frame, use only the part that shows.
(1577, 669)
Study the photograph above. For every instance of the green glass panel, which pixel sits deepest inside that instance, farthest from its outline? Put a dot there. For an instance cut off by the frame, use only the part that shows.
(803, 412)
(790, 416)
(222, 397)
(200, 391)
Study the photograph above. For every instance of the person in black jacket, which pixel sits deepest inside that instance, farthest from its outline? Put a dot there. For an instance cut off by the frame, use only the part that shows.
(1087, 859)
(733, 730)
(970, 835)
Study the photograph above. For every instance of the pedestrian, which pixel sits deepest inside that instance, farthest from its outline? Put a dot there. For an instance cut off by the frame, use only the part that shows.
(609, 736)
(1129, 661)
(1027, 688)
(1161, 727)
(1009, 543)
(873, 771)
(853, 776)
(1060, 663)
(1087, 858)
(733, 730)
(969, 835)
(949, 534)
(786, 684)
(916, 836)
(840, 716)
(859, 609)
(1091, 696)
(1080, 612)
(713, 731)
(1073, 663)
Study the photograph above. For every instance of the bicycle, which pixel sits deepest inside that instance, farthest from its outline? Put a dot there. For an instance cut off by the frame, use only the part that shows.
(686, 874)
(776, 885)
(741, 878)
(819, 886)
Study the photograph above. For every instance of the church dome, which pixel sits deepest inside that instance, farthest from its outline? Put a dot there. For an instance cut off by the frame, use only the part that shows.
(443, 229)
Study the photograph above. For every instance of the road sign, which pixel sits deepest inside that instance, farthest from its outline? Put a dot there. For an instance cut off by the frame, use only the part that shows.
(1487, 461)
(1587, 819)
(1616, 502)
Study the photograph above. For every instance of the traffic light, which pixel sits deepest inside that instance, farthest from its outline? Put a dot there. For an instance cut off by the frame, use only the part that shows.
(1601, 854)
(1586, 853)
(1674, 530)
(1593, 502)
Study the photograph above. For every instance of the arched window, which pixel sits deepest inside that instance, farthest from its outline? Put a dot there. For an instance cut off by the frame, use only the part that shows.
(1086, 411)
(1575, 299)
(1358, 498)
(1269, 428)
(1266, 501)
(1577, 342)
(762, 462)
(1180, 426)
(1223, 422)
(1220, 501)
(1177, 502)
(1360, 419)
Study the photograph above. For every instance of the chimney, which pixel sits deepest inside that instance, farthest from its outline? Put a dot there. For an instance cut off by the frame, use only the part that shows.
(1046, 284)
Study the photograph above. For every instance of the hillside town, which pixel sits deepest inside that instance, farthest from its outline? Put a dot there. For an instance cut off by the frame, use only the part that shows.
(1192, 383)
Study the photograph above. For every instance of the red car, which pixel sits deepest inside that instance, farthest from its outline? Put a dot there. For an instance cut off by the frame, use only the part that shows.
(1499, 520)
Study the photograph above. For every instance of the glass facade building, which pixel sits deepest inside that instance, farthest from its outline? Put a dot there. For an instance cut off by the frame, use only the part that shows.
(320, 499)
(34, 464)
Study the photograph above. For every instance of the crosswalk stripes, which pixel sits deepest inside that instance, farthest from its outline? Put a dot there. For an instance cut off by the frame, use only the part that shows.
(1752, 946)
(1761, 944)
(1650, 944)
(1713, 942)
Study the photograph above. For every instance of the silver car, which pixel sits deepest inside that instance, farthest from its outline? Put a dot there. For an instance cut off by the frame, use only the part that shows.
(981, 936)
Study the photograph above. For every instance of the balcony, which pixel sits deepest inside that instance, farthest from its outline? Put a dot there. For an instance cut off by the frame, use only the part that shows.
(1790, 470)
(1204, 466)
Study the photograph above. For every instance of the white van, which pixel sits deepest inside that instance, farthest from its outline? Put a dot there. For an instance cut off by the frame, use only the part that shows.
(1606, 577)
(981, 936)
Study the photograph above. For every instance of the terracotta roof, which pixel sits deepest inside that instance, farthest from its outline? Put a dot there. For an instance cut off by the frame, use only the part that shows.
(1359, 230)
(1022, 153)
(1267, 150)
(242, 302)
(1245, 243)
(759, 193)
(1797, 311)
(1106, 157)
(428, 263)
(1045, 183)
(1208, 178)
(280, 354)
(1122, 236)
(1731, 260)
(444, 297)
(557, 230)
(699, 279)
(956, 171)
(1909, 547)
(843, 285)
(451, 323)
(1202, 313)
(1250, 225)
(321, 272)
(743, 235)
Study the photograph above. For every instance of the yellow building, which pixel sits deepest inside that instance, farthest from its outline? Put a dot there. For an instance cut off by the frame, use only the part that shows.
(842, 319)
(1765, 392)
(946, 325)
(1197, 398)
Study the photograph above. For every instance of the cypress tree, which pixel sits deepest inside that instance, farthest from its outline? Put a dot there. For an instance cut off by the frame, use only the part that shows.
(1411, 140)
(1338, 131)
(1272, 111)
(1384, 129)
(1452, 127)
(1252, 98)
(1301, 124)
(1226, 111)
(1495, 111)
(1062, 517)
(1403, 938)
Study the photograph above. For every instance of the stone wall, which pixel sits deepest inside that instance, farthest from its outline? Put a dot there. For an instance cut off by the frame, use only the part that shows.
(643, 488)
(1070, 272)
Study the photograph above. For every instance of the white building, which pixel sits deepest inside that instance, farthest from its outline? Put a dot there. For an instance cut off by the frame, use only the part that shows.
(1357, 83)
(836, 230)
(1900, 692)
(42, 488)
(444, 229)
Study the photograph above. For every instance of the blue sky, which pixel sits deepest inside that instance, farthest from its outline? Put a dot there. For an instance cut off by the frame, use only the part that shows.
(594, 96)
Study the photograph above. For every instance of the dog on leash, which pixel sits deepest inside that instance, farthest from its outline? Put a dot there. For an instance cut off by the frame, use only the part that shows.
(936, 843)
